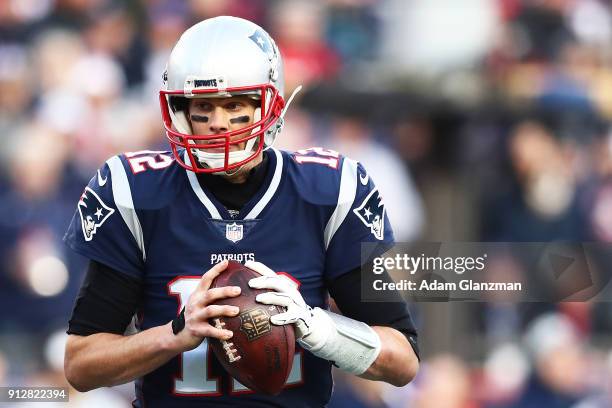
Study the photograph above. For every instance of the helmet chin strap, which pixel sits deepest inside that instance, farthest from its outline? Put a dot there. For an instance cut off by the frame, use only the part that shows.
(214, 160)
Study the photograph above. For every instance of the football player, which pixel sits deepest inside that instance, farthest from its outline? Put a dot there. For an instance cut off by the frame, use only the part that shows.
(158, 227)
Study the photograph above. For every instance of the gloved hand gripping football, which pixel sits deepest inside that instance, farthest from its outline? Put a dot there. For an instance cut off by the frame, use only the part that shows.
(352, 345)
(286, 295)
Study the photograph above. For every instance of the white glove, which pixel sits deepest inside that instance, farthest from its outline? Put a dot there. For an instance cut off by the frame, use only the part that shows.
(351, 345)
(286, 295)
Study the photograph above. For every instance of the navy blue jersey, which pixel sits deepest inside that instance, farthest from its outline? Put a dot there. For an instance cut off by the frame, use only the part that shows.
(144, 215)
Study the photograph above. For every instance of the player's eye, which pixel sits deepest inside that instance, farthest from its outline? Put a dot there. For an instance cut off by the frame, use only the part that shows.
(203, 106)
(234, 106)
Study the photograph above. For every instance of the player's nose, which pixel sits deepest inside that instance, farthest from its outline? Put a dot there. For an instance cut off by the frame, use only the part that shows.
(218, 122)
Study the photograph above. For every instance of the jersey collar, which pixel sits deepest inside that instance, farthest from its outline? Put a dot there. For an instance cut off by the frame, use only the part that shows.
(215, 209)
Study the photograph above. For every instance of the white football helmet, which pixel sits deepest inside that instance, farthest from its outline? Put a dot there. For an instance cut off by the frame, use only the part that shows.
(222, 57)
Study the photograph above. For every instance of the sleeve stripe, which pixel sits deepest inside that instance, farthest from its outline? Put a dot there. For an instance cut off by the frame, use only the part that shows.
(123, 200)
(346, 197)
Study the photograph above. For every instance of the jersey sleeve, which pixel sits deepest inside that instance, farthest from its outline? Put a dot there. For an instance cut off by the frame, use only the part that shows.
(359, 217)
(105, 226)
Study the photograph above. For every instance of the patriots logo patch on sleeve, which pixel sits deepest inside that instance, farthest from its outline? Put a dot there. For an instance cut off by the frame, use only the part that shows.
(372, 213)
(93, 213)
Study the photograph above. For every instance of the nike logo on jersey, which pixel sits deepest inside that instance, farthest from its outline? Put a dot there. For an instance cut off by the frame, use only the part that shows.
(101, 181)
(364, 179)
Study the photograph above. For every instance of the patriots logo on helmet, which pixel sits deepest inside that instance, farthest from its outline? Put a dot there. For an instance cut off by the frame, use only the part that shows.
(260, 38)
(372, 213)
(93, 213)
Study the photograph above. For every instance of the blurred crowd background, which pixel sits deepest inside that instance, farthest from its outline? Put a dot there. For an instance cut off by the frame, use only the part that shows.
(480, 120)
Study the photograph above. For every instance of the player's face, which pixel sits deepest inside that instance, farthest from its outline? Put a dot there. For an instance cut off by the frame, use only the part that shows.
(210, 116)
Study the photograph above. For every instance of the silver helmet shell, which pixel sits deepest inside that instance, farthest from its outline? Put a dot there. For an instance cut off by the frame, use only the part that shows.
(222, 57)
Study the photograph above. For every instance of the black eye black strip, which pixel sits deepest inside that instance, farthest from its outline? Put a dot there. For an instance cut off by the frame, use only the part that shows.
(199, 118)
(240, 119)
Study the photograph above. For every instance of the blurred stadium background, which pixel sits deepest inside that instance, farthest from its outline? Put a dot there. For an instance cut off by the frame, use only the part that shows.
(480, 120)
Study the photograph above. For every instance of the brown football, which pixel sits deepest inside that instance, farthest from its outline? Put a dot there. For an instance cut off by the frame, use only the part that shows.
(260, 354)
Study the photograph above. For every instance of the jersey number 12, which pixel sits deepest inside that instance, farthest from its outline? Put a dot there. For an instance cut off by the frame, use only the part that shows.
(195, 379)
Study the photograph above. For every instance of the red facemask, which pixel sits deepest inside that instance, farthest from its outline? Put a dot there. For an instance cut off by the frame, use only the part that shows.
(271, 109)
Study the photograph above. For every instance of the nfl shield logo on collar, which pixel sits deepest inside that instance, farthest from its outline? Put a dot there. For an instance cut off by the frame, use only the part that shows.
(234, 232)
